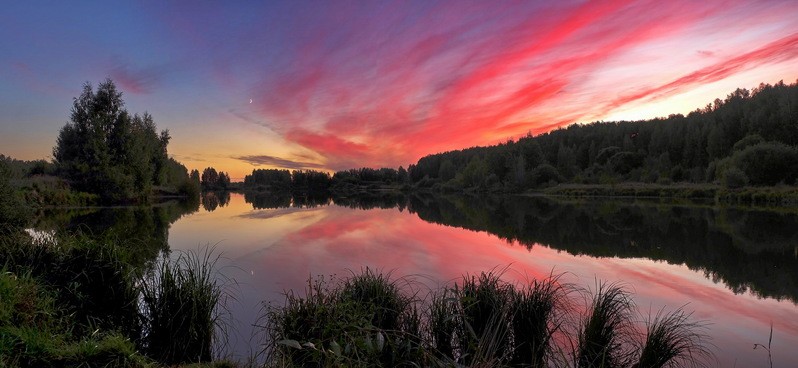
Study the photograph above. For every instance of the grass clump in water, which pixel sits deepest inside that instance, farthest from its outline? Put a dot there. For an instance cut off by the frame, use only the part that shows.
(369, 320)
(538, 313)
(672, 339)
(604, 331)
(181, 299)
(485, 302)
(364, 320)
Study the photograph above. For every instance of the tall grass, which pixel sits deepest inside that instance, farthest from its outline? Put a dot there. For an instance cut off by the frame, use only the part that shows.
(367, 319)
(376, 297)
(36, 332)
(443, 322)
(537, 314)
(602, 334)
(94, 285)
(182, 308)
(485, 306)
(482, 321)
(672, 339)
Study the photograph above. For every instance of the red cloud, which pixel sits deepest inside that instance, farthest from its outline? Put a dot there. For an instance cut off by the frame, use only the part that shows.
(777, 51)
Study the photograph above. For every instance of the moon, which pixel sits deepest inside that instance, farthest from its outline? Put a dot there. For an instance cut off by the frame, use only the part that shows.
(250, 100)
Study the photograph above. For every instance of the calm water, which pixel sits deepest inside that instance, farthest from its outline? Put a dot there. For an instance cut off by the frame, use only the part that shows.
(735, 268)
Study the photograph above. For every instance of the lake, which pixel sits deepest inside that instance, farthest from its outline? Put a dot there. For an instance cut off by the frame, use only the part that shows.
(735, 268)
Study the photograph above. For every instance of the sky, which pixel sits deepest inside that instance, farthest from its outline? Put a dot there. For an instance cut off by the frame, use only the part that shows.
(331, 85)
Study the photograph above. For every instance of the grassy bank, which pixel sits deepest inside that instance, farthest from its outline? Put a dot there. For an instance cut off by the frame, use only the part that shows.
(43, 191)
(767, 196)
(371, 319)
(76, 302)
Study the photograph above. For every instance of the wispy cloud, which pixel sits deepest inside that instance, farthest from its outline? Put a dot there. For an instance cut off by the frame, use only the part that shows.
(265, 160)
(136, 80)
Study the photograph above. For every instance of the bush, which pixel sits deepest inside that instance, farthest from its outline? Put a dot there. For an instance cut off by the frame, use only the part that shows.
(734, 178)
(768, 163)
(544, 174)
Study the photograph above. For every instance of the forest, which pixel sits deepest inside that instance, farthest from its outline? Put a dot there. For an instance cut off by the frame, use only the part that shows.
(748, 138)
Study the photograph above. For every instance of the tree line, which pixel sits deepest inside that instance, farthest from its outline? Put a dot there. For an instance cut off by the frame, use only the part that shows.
(749, 138)
(277, 180)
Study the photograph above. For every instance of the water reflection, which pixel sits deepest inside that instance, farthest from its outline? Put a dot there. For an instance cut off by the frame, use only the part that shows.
(214, 199)
(145, 229)
(642, 244)
(746, 249)
(736, 267)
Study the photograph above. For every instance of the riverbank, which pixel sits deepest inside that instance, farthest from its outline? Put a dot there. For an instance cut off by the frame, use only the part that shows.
(769, 196)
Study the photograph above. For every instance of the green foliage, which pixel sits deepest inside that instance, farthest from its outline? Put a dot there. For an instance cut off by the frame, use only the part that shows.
(622, 163)
(537, 314)
(23, 303)
(606, 153)
(339, 324)
(768, 163)
(96, 286)
(13, 213)
(268, 179)
(485, 306)
(105, 150)
(213, 180)
(545, 174)
(474, 175)
(63, 305)
(747, 141)
(447, 171)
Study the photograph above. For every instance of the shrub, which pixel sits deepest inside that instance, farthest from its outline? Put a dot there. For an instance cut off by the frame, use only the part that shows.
(734, 178)
(768, 163)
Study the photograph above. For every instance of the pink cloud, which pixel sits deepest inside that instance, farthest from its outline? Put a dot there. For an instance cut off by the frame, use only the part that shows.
(777, 51)
(136, 80)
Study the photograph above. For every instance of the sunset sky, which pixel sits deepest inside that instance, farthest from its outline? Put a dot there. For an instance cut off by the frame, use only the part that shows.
(339, 84)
